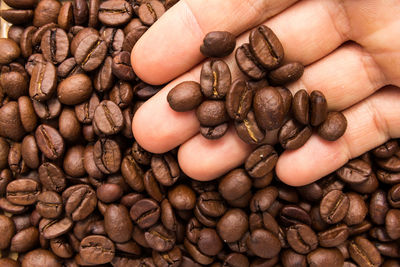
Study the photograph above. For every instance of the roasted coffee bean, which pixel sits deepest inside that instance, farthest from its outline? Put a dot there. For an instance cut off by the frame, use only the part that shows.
(249, 131)
(47, 110)
(263, 199)
(266, 47)
(235, 184)
(378, 207)
(248, 64)
(9, 51)
(268, 108)
(27, 114)
(261, 161)
(27, 4)
(49, 141)
(145, 212)
(367, 187)
(185, 96)
(233, 225)
(66, 16)
(69, 125)
(107, 155)
(293, 135)
(212, 113)
(392, 223)
(17, 16)
(150, 11)
(215, 79)
(357, 209)
(109, 193)
(291, 258)
(81, 11)
(46, 12)
(108, 118)
(333, 127)
(14, 33)
(54, 228)
(43, 82)
(301, 238)
(85, 111)
(239, 100)
(115, 13)
(211, 204)
(172, 258)
(80, 201)
(182, 197)
(89, 50)
(152, 187)
(4, 149)
(55, 45)
(26, 41)
(23, 191)
(318, 108)
(25, 240)
(52, 177)
(287, 73)
(356, 171)
(117, 223)
(301, 107)
(334, 206)
(14, 80)
(364, 252)
(122, 94)
(214, 132)
(132, 173)
(388, 249)
(114, 38)
(196, 254)
(10, 122)
(73, 161)
(132, 37)
(390, 164)
(218, 44)
(325, 257)
(30, 152)
(394, 196)
(75, 89)
(49, 205)
(61, 247)
(386, 150)
(165, 169)
(259, 240)
(160, 239)
(96, 249)
(291, 214)
(168, 217)
(145, 91)
(333, 236)
(121, 66)
(7, 229)
(104, 79)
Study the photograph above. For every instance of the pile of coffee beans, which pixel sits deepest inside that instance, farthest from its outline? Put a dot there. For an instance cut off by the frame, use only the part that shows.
(76, 189)
(262, 114)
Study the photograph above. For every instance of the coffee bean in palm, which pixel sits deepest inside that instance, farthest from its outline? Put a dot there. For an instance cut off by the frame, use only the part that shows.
(334, 206)
(261, 161)
(268, 108)
(239, 100)
(185, 96)
(215, 79)
(132, 37)
(218, 44)
(301, 107)
(286, 73)
(43, 82)
(293, 135)
(266, 47)
(211, 113)
(96, 249)
(150, 11)
(248, 64)
(214, 132)
(115, 13)
(49, 141)
(17, 16)
(364, 252)
(333, 127)
(318, 108)
(121, 66)
(108, 118)
(107, 155)
(55, 45)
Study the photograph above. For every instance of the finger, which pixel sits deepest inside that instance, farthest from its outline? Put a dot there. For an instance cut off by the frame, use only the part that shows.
(182, 29)
(308, 31)
(370, 123)
(173, 128)
(346, 76)
(214, 157)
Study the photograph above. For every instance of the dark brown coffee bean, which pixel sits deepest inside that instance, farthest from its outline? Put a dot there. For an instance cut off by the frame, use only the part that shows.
(334, 206)
(263, 199)
(212, 113)
(152, 187)
(368, 187)
(81, 11)
(27, 113)
(14, 80)
(239, 100)
(4, 149)
(66, 16)
(61, 247)
(54, 228)
(73, 161)
(215, 79)
(249, 131)
(165, 169)
(291, 258)
(25, 240)
(121, 66)
(211, 204)
(121, 94)
(30, 152)
(134, 23)
(69, 126)
(23, 191)
(182, 197)
(259, 240)
(107, 156)
(378, 207)
(333, 127)
(392, 223)
(46, 12)
(218, 44)
(234, 184)
(52, 177)
(292, 214)
(55, 45)
(26, 41)
(132, 173)
(325, 257)
(196, 254)
(89, 50)
(302, 238)
(49, 205)
(10, 122)
(394, 196)
(287, 73)
(301, 107)
(334, 236)
(7, 229)
(47, 110)
(9, 51)
(85, 111)
(43, 82)
(104, 79)
(132, 37)
(96, 249)
(49, 141)
(266, 47)
(185, 96)
(391, 249)
(160, 239)
(233, 225)
(115, 13)
(357, 209)
(261, 161)
(80, 201)
(172, 258)
(318, 108)
(27, 4)
(145, 91)
(17, 16)
(268, 108)
(293, 135)
(114, 38)
(109, 193)
(14, 33)
(386, 150)
(117, 223)
(391, 164)
(150, 11)
(74, 89)
(168, 217)
(108, 118)
(361, 228)
(364, 252)
(356, 171)
(145, 212)
(214, 132)
(248, 64)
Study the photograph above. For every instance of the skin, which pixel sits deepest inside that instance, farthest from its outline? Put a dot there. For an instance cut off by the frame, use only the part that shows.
(351, 53)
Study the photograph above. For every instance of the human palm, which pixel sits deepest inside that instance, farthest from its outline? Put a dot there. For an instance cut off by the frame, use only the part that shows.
(351, 51)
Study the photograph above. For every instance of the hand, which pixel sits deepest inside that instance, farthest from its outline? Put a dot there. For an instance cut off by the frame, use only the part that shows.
(351, 50)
